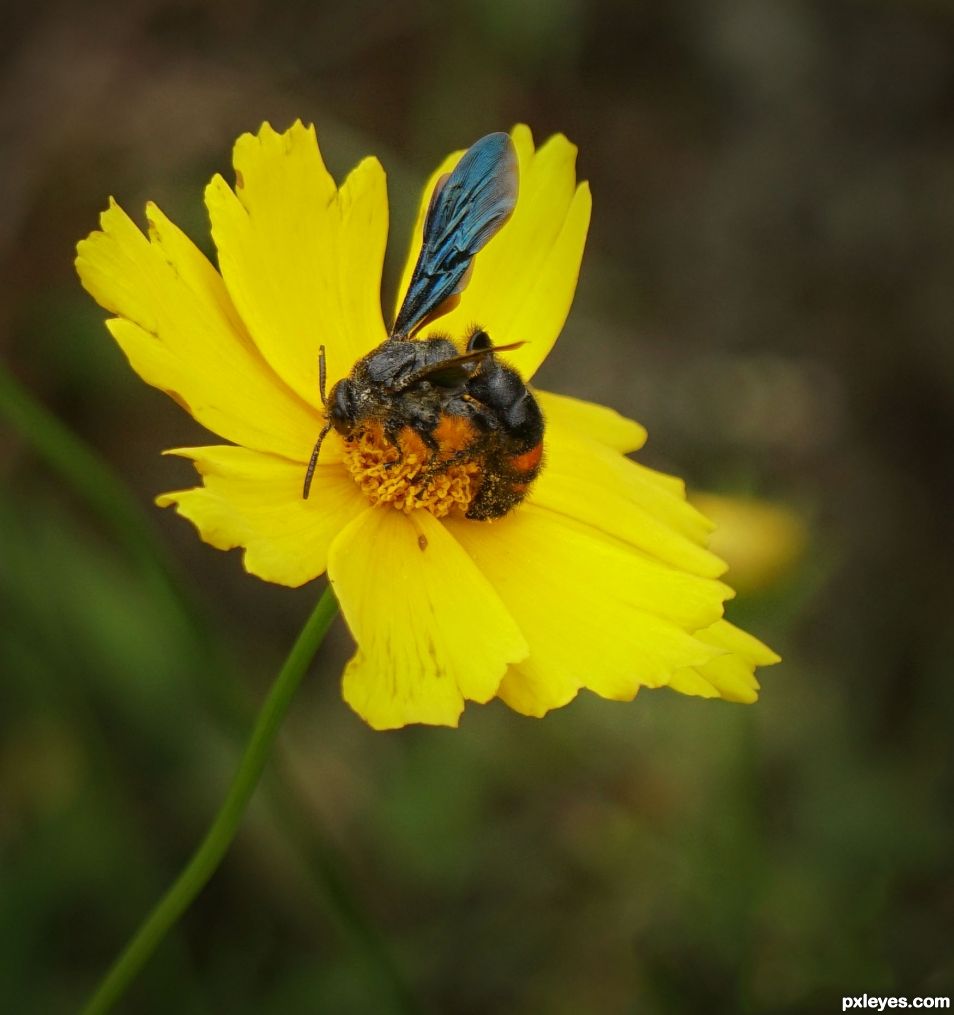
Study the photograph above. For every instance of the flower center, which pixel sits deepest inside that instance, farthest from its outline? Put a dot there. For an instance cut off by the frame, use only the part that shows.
(408, 482)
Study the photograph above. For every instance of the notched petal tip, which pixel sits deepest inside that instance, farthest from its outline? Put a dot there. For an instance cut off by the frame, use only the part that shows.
(731, 674)
(435, 635)
(95, 247)
(382, 714)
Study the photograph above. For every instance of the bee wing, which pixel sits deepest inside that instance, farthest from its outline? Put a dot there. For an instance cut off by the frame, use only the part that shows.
(447, 373)
(467, 208)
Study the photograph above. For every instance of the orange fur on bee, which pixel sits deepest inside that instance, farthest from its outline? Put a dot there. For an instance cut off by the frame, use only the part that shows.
(529, 460)
(454, 433)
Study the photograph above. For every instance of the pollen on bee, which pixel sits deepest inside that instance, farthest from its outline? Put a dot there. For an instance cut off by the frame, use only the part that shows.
(401, 480)
(453, 433)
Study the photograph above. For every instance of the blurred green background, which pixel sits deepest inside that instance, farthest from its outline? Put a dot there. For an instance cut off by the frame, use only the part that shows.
(767, 287)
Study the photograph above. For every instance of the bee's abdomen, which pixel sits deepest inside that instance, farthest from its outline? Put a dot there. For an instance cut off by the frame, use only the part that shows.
(506, 482)
(528, 463)
(515, 454)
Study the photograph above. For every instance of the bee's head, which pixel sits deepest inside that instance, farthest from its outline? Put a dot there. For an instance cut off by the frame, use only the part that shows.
(343, 407)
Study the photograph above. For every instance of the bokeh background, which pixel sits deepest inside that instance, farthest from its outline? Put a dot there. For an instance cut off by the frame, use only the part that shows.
(767, 287)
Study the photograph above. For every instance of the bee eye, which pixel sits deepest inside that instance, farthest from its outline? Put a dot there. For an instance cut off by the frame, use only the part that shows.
(479, 341)
(343, 409)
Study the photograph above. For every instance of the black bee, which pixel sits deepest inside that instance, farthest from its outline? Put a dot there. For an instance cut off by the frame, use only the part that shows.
(468, 407)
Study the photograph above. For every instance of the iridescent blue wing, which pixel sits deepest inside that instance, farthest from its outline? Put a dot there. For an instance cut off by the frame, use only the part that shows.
(466, 210)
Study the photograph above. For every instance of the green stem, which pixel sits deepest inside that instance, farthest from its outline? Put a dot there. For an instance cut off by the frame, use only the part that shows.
(217, 840)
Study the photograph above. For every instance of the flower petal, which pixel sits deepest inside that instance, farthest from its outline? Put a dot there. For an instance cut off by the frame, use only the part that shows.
(301, 258)
(586, 480)
(731, 675)
(253, 500)
(524, 281)
(431, 630)
(598, 422)
(594, 613)
(180, 332)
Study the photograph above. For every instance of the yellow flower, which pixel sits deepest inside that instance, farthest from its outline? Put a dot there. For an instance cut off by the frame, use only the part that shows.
(600, 579)
(761, 541)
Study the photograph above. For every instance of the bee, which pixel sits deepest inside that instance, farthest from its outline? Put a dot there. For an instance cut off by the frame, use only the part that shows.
(464, 407)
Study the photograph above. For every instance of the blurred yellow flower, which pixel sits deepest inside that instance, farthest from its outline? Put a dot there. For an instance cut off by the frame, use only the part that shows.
(760, 541)
(600, 579)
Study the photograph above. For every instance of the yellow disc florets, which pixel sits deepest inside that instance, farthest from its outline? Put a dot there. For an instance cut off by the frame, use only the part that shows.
(404, 479)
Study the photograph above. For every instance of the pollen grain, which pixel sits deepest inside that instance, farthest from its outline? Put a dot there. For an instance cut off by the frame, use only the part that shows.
(387, 477)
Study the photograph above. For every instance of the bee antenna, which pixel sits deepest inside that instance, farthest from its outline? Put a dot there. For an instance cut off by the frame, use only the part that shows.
(313, 461)
(322, 374)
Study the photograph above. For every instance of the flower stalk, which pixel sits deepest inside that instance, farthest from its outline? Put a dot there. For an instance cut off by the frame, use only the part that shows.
(213, 847)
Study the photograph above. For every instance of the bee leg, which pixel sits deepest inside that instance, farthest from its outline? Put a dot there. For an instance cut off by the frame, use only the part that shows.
(435, 464)
(430, 442)
(438, 465)
(392, 433)
(484, 422)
